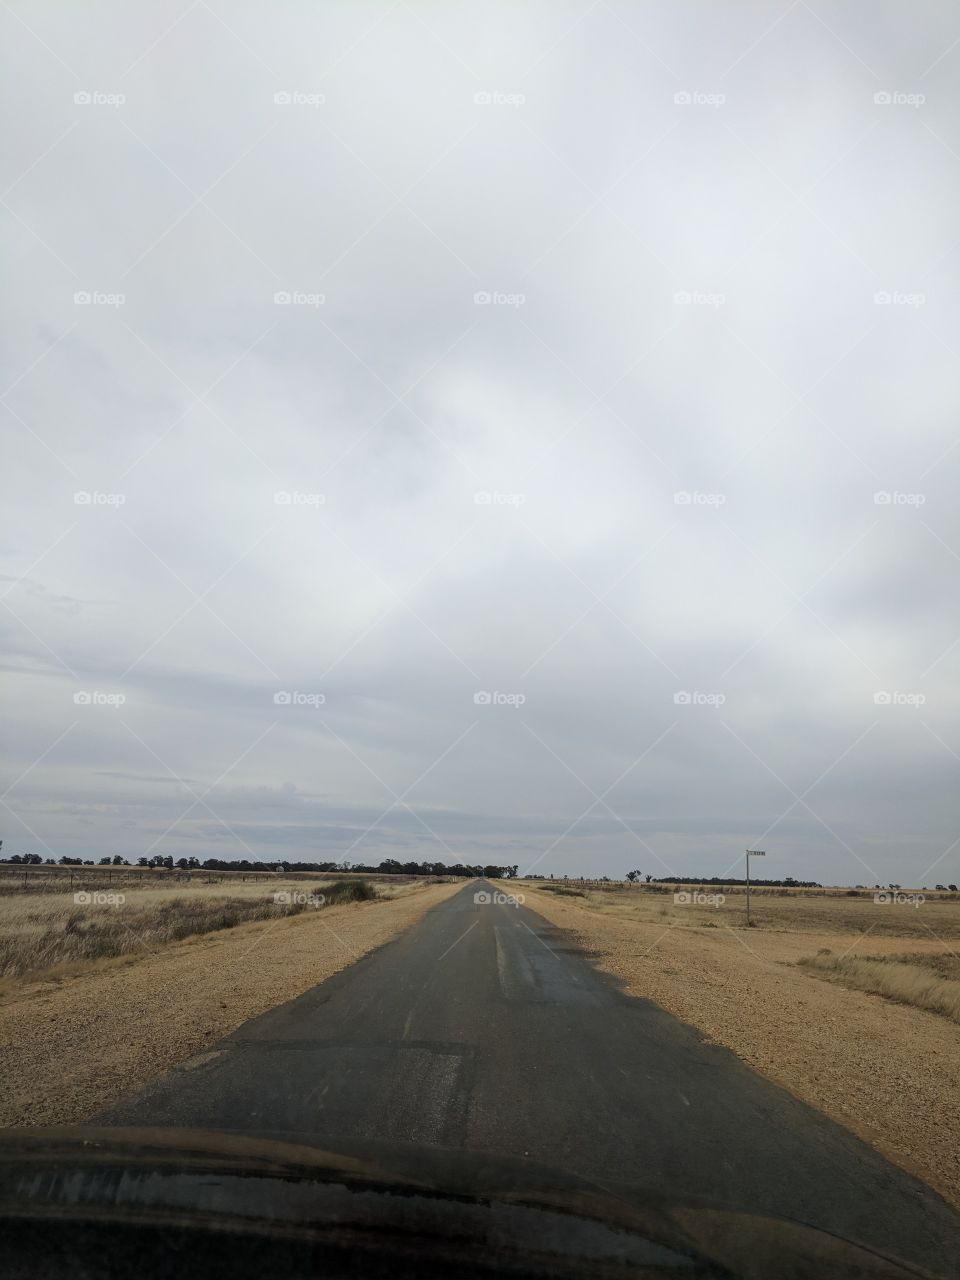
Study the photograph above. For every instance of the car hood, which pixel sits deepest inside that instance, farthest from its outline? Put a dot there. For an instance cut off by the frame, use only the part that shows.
(423, 1211)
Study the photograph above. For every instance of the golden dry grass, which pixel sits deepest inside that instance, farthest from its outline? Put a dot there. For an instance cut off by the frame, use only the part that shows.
(929, 982)
(19, 880)
(782, 918)
(838, 912)
(52, 932)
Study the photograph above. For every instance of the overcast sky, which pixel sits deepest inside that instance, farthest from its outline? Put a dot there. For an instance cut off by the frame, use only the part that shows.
(588, 504)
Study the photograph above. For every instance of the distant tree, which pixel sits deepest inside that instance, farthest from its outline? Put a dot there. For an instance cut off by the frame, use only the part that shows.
(634, 876)
(104, 862)
(953, 888)
(648, 878)
(119, 860)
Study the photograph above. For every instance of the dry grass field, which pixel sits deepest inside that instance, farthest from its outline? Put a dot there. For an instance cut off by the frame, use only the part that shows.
(850, 1004)
(926, 980)
(52, 922)
(847, 911)
(918, 943)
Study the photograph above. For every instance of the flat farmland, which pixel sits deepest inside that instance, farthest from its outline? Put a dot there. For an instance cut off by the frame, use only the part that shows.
(846, 912)
(54, 924)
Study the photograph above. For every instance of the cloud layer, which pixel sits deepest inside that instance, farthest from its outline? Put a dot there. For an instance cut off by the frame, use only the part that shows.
(519, 434)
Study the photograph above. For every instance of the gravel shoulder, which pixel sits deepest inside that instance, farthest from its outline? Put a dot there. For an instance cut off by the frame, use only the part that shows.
(74, 1045)
(888, 1072)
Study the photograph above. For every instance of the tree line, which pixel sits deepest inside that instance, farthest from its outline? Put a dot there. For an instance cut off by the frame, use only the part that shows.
(389, 866)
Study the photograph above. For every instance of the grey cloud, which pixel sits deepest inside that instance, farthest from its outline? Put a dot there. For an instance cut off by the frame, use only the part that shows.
(779, 397)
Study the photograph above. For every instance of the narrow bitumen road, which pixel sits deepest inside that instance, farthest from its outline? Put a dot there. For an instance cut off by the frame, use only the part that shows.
(483, 1029)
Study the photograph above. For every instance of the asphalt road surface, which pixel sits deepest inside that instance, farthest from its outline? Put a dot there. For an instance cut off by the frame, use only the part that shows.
(484, 1029)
